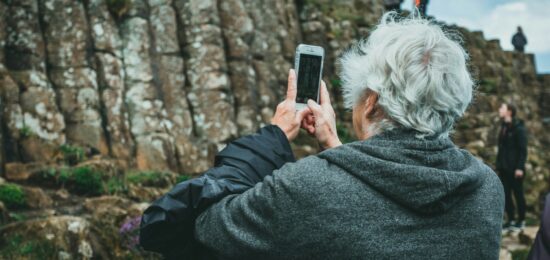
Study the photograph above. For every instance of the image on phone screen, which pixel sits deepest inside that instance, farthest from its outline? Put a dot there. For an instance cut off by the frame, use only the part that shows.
(309, 72)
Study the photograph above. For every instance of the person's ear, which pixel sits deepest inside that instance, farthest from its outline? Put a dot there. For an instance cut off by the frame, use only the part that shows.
(370, 104)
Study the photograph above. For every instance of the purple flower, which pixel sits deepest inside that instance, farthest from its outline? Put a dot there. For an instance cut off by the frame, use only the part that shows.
(129, 233)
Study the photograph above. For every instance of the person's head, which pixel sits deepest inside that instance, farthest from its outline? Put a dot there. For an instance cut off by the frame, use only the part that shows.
(410, 74)
(507, 111)
(519, 29)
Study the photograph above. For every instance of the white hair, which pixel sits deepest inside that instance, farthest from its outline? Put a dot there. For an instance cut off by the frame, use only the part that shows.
(418, 71)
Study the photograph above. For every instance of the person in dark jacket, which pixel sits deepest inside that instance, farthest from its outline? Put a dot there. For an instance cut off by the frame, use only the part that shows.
(422, 6)
(541, 247)
(519, 40)
(510, 164)
(167, 226)
(403, 190)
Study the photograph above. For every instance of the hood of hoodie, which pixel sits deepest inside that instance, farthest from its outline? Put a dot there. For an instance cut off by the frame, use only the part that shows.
(428, 176)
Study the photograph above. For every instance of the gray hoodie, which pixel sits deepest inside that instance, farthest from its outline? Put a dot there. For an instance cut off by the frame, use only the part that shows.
(392, 196)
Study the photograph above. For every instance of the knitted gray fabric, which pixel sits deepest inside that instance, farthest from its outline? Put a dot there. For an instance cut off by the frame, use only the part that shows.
(392, 196)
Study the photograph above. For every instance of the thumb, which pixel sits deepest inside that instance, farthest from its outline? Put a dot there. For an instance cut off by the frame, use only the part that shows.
(315, 108)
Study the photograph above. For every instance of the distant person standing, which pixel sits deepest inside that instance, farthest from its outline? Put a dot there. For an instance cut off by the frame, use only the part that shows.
(421, 5)
(519, 40)
(393, 5)
(511, 157)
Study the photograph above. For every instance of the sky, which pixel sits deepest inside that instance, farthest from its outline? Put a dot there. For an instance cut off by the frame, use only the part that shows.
(498, 19)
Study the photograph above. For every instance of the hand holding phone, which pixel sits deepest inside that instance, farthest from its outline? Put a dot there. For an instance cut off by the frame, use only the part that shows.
(287, 117)
(323, 126)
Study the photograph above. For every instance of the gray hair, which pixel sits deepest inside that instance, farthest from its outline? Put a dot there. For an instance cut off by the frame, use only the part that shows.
(418, 71)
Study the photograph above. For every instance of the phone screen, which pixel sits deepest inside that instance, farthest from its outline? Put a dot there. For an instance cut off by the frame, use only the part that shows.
(309, 72)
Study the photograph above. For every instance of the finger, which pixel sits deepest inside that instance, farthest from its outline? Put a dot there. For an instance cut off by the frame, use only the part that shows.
(291, 90)
(304, 124)
(310, 119)
(300, 115)
(315, 108)
(325, 97)
(310, 128)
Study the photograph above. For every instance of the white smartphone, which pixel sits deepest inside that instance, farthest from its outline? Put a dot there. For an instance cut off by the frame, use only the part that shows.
(308, 64)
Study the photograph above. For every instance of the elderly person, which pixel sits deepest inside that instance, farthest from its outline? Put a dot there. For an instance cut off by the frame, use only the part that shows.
(404, 190)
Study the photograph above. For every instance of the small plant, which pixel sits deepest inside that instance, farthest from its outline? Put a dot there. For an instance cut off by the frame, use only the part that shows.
(72, 154)
(115, 186)
(488, 86)
(337, 33)
(64, 175)
(12, 195)
(83, 180)
(520, 254)
(463, 124)
(87, 180)
(148, 178)
(17, 247)
(50, 173)
(17, 216)
(182, 178)
(344, 14)
(26, 131)
(129, 233)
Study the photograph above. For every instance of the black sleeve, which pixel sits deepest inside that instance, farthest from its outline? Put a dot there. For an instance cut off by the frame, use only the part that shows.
(522, 147)
(167, 226)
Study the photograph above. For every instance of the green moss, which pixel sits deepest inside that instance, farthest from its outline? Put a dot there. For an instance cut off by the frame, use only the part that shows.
(50, 173)
(116, 186)
(72, 154)
(17, 247)
(520, 254)
(336, 10)
(529, 221)
(17, 216)
(488, 86)
(463, 124)
(12, 195)
(508, 74)
(64, 175)
(87, 180)
(148, 178)
(26, 131)
(337, 33)
(341, 13)
(84, 180)
(182, 178)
